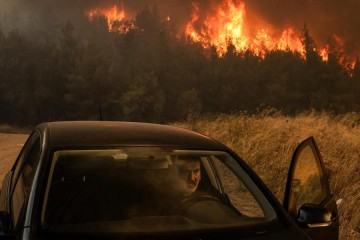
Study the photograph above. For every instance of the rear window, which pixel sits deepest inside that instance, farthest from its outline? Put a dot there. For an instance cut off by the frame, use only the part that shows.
(149, 189)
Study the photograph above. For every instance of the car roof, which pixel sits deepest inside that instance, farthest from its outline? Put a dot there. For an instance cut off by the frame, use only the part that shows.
(111, 133)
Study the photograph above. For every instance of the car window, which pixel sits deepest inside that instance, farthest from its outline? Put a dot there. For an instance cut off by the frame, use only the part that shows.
(308, 184)
(24, 152)
(147, 188)
(239, 196)
(24, 182)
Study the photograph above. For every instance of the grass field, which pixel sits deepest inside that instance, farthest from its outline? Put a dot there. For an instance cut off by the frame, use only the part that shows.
(10, 146)
(266, 142)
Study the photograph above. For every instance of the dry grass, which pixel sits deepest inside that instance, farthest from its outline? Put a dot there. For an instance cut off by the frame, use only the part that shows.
(4, 128)
(267, 140)
(10, 146)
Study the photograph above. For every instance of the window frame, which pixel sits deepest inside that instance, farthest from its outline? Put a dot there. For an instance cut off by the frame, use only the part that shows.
(289, 202)
(32, 144)
(269, 210)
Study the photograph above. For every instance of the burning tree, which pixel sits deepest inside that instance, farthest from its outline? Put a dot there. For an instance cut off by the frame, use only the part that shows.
(145, 66)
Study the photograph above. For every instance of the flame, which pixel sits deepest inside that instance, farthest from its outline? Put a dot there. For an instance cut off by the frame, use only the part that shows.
(324, 53)
(189, 29)
(222, 23)
(227, 24)
(290, 40)
(113, 14)
(217, 30)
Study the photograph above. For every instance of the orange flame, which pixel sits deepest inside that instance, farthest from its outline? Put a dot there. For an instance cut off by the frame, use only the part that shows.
(223, 23)
(289, 40)
(324, 53)
(224, 26)
(227, 24)
(112, 14)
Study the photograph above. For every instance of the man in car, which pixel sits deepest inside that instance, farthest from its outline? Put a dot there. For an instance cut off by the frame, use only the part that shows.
(188, 175)
(172, 185)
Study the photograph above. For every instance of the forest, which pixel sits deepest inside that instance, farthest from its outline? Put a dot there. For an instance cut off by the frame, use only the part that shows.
(146, 71)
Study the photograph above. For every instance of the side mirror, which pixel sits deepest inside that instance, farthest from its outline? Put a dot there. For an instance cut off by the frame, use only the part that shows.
(4, 222)
(311, 215)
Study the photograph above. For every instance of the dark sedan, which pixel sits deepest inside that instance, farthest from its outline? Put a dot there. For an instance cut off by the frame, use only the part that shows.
(122, 180)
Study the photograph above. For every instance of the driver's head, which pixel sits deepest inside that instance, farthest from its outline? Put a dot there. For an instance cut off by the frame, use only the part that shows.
(189, 174)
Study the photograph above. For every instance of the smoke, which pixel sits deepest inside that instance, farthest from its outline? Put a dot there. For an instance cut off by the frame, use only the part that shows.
(325, 18)
(25, 14)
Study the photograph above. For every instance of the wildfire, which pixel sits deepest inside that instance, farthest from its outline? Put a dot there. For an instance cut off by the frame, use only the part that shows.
(220, 24)
(226, 23)
(113, 15)
(290, 40)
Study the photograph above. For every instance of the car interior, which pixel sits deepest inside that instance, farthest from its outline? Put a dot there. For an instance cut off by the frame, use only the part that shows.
(90, 187)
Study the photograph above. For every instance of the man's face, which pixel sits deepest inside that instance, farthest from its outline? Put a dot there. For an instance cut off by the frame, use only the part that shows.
(189, 174)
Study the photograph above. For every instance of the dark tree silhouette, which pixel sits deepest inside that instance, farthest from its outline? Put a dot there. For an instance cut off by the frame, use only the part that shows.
(146, 72)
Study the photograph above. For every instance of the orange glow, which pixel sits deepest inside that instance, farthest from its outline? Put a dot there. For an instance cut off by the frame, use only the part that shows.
(227, 23)
(290, 40)
(340, 43)
(324, 53)
(189, 29)
(224, 26)
(221, 23)
(112, 14)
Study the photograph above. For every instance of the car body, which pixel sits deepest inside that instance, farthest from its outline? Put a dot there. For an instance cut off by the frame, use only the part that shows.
(120, 180)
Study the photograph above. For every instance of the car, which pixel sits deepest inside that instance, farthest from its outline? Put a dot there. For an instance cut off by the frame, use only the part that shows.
(127, 180)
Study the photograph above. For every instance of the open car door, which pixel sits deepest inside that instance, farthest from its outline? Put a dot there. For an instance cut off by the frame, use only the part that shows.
(308, 198)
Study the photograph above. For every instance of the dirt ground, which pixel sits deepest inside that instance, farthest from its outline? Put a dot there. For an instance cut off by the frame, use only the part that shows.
(10, 146)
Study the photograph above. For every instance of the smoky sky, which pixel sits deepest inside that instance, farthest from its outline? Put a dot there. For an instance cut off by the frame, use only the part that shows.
(324, 18)
(72, 10)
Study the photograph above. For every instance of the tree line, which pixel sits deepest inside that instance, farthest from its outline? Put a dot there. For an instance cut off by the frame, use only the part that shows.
(146, 72)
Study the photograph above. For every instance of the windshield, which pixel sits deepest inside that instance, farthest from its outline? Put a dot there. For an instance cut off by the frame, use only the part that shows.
(146, 189)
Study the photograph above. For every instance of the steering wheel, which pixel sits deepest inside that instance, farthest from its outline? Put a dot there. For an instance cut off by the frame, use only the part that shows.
(207, 209)
(192, 200)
